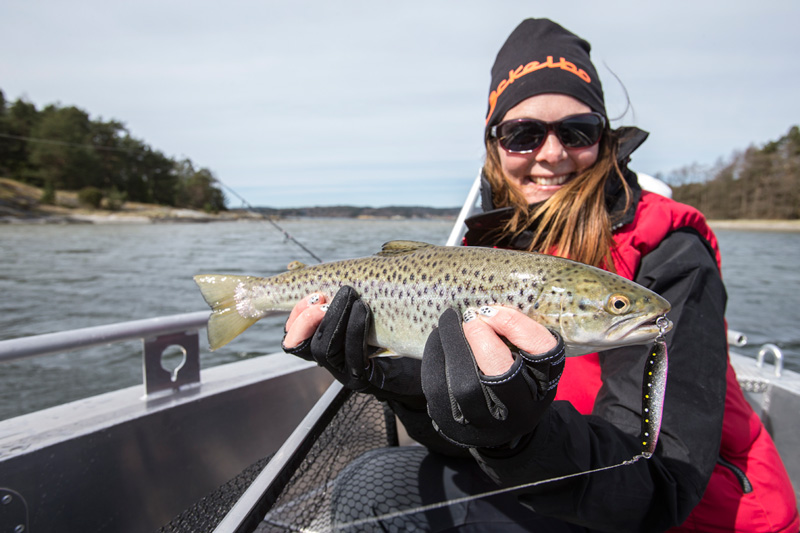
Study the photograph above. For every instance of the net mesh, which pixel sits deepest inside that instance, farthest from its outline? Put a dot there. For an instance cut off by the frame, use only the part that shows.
(203, 516)
(305, 504)
(361, 424)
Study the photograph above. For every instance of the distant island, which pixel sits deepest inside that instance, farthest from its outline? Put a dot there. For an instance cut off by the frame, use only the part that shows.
(22, 203)
(349, 211)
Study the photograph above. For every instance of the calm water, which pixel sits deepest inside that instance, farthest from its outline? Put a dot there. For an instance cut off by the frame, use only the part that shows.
(54, 278)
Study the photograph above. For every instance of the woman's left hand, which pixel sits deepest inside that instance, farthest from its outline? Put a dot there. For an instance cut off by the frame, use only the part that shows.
(480, 392)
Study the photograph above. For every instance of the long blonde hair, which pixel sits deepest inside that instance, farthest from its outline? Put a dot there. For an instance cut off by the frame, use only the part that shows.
(575, 221)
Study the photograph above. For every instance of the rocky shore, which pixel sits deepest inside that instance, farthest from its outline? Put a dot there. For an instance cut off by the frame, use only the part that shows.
(20, 204)
(122, 216)
(756, 225)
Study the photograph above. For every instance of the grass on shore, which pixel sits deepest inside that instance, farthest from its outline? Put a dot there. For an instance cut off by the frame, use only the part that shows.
(20, 200)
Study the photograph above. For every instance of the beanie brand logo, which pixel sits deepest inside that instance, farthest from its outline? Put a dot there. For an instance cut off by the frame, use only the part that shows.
(533, 66)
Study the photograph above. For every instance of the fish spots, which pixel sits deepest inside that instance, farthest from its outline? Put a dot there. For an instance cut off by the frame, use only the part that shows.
(408, 292)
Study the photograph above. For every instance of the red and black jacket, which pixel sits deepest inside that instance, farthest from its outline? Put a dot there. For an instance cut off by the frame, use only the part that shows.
(715, 467)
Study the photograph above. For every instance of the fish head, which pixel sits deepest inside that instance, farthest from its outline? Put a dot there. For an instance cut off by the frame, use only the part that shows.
(602, 311)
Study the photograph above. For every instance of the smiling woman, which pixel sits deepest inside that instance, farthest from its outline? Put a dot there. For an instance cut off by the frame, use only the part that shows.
(556, 157)
(556, 181)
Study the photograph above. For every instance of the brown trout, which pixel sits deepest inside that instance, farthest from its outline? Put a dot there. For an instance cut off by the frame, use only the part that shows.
(408, 285)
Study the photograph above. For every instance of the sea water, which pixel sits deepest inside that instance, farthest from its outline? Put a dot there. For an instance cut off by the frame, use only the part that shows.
(59, 277)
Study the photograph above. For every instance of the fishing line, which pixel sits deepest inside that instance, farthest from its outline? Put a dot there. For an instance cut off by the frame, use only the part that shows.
(65, 143)
(114, 149)
(472, 497)
(267, 219)
(654, 381)
(628, 103)
(464, 499)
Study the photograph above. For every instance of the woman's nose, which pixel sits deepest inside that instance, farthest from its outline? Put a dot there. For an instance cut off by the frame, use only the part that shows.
(552, 151)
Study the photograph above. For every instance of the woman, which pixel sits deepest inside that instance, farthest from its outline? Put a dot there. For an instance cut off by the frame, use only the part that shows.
(556, 181)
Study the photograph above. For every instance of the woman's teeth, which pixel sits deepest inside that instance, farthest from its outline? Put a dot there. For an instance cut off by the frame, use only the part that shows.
(552, 180)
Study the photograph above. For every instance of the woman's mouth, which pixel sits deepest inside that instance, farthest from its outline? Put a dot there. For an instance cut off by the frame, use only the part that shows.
(550, 181)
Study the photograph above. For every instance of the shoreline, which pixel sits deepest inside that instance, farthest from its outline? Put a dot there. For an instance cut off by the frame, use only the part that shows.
(756, 225)
(165, 216)
(168, 216)
(187, 216)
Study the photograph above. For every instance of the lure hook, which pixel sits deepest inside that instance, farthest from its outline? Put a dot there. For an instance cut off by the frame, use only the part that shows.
(663, 323)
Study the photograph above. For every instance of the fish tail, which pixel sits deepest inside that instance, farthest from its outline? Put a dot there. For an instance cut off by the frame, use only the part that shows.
(225, 322)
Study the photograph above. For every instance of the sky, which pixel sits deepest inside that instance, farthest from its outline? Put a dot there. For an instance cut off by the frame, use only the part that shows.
(376, 103)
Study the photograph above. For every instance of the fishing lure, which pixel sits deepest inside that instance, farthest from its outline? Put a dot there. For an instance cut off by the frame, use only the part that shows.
(654, 383)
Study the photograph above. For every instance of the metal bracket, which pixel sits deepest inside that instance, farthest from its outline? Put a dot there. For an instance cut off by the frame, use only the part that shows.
(156, 377)
(13, 512)
(777, 355)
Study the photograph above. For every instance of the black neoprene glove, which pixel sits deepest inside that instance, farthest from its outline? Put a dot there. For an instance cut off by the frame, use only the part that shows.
(340, 346)
(474, 410)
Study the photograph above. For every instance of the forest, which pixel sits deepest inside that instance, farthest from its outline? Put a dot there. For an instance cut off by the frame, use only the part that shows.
(62, 148)
(757, 183)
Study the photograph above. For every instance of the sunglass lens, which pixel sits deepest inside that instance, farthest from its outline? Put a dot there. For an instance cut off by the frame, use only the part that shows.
(580, 131)
(522, 136)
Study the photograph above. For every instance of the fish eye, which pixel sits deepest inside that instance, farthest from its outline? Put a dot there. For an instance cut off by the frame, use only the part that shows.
(618, 304)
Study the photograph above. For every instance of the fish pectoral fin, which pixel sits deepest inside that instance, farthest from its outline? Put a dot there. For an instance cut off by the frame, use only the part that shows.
(383, 352)
(402, 247)
(225, 322)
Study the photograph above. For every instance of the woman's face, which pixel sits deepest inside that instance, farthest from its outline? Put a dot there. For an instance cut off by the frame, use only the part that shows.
(539, 174)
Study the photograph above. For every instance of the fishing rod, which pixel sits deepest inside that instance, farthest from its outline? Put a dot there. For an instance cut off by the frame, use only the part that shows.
(252, 209)
(247, 204)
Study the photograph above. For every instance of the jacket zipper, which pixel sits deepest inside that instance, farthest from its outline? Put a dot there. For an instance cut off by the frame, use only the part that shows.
(747, 487)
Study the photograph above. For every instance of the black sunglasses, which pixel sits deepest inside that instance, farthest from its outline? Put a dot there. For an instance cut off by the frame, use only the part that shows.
(524, 135)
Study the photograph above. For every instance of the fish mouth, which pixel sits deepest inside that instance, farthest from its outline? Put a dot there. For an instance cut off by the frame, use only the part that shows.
(628, 331)
(644, 329)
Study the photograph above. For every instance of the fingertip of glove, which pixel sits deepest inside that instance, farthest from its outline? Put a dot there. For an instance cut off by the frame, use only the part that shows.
(361, 310)
(344, 296)
(450, 318)
(553, 356)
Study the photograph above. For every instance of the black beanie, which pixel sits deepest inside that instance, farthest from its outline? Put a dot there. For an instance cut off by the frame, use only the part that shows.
(542, 57)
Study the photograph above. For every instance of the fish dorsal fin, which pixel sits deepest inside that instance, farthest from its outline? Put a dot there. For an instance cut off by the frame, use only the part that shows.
(295, 265)
(402, 247)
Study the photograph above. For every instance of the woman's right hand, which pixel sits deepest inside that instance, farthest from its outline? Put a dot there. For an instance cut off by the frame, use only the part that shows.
(335, 336)
(480, 394)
